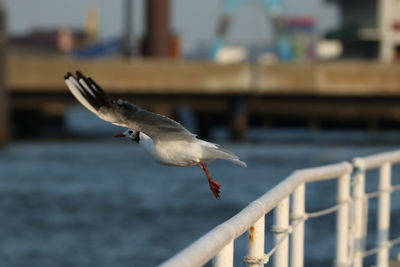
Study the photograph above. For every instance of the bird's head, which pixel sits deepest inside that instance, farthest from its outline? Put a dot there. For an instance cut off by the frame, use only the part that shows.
(131, 134)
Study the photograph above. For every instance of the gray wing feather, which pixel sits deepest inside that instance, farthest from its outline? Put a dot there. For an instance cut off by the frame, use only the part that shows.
(123, 113)
(156, 126)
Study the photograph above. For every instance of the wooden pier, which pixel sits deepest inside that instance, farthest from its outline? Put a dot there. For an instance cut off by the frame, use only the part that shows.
(42, 74)
(241, 93)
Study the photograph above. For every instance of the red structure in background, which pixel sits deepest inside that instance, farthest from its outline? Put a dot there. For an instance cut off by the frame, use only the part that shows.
(158, 41)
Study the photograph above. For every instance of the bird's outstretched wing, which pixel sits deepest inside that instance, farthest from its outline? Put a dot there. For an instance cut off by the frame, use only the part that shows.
(123, 113)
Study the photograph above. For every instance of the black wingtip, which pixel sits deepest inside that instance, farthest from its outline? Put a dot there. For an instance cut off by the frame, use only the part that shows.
(66, 76)
(80, 75)
(98, 88)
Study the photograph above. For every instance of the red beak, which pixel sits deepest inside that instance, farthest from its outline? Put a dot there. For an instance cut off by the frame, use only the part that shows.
(119, 135)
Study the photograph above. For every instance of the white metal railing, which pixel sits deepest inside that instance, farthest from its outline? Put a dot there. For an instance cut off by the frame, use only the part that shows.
(351, 219)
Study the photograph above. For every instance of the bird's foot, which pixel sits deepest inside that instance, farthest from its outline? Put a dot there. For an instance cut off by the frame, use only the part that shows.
(215, 187)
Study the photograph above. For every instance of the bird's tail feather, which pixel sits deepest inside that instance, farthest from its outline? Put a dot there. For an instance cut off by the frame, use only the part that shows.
(212, 151)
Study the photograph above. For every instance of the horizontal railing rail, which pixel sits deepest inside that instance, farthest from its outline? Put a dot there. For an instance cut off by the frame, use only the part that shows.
(351, 210)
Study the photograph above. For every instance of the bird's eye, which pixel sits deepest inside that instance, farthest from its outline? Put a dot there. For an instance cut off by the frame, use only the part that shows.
(130, 132)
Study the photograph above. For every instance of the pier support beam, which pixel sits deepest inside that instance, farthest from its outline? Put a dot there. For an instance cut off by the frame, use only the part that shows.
(238, 115)
(3, 93)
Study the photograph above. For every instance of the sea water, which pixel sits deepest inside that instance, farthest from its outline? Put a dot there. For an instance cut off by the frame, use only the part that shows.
(100, 201)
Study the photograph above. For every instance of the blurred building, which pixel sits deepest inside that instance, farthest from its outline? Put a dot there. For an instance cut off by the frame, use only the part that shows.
(368, 29)
(48, 41)
(57, 41)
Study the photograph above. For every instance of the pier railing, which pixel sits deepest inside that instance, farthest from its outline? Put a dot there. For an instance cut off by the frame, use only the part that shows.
(351, 220)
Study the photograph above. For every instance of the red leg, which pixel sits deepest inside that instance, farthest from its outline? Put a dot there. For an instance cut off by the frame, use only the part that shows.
(214, 186)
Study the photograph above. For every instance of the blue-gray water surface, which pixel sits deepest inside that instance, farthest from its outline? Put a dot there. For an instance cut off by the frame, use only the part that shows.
(104, 202)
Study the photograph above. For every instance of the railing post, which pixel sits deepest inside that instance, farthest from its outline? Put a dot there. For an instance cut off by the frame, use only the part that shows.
(281, 224)
(382, 257)
(224, 258)
(298, 211)
(342, 221)
(256, 242)
(359, 212)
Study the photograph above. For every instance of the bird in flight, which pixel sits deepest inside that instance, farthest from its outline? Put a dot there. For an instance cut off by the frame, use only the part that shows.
(167, 141)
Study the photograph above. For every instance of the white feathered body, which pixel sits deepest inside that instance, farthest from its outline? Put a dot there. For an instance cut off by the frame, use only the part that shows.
(184, 153)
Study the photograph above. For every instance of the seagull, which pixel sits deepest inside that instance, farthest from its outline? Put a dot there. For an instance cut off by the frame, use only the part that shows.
(166, 140)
